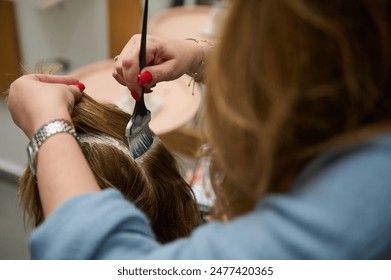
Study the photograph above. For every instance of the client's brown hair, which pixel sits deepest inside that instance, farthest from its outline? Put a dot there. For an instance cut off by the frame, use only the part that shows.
(153, 182)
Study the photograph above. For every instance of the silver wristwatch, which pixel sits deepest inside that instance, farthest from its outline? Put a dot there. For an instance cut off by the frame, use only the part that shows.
(43, 133)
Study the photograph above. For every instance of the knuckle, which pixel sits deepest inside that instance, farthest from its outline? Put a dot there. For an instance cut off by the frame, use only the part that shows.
(126, 63)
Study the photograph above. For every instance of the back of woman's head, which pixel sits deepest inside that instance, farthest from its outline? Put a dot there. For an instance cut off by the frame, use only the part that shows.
(153, 182)
(295, 79)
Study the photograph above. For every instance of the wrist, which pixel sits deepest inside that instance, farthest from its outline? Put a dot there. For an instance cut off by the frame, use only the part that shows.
(46, 118)
(197, 56)
(44, 132)
(203, 47)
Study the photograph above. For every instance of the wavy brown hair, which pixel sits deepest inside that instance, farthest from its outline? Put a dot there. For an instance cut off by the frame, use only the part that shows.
(290, 80)
(153, 182)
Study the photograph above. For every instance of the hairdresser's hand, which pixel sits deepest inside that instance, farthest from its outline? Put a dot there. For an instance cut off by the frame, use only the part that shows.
(38, 98)
(167, 59)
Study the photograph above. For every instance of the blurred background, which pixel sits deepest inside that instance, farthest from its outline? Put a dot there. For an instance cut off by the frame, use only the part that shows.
(84, 36)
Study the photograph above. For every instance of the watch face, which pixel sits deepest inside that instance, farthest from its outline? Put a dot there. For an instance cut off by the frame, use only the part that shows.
(31, 153)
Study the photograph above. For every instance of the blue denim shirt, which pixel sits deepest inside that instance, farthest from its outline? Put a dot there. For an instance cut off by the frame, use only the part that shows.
(339, 209)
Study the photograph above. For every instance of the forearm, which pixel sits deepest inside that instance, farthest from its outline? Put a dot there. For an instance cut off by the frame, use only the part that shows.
(62, 172)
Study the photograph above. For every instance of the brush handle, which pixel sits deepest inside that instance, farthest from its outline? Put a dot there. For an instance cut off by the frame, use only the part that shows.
(143, 44)
(140, 108)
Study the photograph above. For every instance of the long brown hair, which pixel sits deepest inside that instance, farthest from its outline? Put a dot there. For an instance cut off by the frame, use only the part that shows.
(290, 80)
(153, 182)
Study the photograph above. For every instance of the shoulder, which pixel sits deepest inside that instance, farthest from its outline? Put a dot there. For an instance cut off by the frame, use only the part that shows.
(367, 159)
(340, 203)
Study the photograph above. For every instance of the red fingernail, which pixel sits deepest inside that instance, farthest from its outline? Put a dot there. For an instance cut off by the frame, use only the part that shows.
(148, 90)
(81, 86)
(144, 78)
(135, 95)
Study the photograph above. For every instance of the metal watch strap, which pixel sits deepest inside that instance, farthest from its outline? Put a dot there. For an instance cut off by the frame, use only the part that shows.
(44, 132)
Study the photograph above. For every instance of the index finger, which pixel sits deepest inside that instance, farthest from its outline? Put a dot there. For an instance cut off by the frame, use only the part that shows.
(53, 79)
(127, 66)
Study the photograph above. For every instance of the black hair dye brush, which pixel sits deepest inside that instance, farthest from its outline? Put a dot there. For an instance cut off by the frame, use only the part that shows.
(140, 136)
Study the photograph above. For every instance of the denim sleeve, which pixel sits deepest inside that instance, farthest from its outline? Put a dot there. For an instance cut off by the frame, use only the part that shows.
(84, 226)
(339, 209)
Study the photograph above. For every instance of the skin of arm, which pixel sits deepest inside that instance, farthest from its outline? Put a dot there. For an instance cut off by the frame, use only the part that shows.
(62, 170)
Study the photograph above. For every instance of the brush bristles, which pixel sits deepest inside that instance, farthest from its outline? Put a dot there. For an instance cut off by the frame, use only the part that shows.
(141, 142)
(139, 135)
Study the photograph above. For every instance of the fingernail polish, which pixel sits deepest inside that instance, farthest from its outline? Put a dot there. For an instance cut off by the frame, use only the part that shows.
(81, 86)
(144, 78)
(135, 95)
(148, 90)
